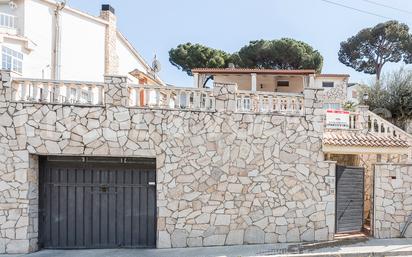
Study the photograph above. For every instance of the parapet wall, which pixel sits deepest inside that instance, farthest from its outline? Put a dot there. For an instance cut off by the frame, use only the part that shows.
(393, 199)
(223, 177)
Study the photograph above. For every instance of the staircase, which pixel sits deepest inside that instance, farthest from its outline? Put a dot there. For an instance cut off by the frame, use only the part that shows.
(381, 127)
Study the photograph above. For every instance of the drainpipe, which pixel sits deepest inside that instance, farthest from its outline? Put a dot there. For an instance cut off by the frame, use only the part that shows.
(57, 40)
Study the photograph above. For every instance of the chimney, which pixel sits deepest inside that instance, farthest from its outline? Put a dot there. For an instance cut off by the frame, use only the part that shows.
(111, 65)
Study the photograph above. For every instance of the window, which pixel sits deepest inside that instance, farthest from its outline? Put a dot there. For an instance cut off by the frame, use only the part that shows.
(354, 94)
(283, 83)
(11, 60)
(327, 84)
(333, 106)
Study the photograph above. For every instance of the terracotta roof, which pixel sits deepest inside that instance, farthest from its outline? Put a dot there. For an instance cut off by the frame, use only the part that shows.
(247, 71)
(331, 75)
(352, 139)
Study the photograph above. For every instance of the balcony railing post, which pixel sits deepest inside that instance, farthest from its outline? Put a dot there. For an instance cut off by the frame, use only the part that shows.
(196, 100)
(188, 94)
(167, 103)
(277, 104)
(137, 96)
(90, 94)
(177, 100)
(56, 93)
(260, 108)
(35, 91)
(270, 101)
(25, 87)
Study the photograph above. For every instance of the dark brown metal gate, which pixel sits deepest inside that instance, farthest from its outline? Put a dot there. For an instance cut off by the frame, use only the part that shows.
(349, 198)
(97, 202)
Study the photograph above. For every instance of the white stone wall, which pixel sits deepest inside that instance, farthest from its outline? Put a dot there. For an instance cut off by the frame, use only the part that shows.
(223, 178)
(393, 199)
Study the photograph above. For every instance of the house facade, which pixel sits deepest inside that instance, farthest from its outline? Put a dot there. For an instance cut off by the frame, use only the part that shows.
(101, 165)
(353, 92)
(46, 39)
(280, 81)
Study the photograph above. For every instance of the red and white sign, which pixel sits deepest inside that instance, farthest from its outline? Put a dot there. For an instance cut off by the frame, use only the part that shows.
(337, 119)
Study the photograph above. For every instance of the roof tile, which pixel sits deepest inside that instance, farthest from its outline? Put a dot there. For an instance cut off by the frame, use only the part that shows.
(352, 139)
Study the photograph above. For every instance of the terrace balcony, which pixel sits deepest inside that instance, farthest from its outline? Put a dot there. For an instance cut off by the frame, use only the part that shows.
(154, 97)
(364, 131)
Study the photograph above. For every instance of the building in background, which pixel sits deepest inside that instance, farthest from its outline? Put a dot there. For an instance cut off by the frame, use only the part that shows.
(353, 92)
(279, 81)
(50, 40)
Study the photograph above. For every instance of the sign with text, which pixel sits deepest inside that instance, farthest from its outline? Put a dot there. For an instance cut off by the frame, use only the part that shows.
(337, 119)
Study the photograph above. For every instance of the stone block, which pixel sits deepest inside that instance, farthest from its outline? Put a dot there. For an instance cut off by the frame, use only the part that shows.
(235, 237)
(254, 235)
(178, 238)
(214, 240)
(163, 240)
(321, 234)
(90, 136)
(18, 246)
(5, 120)
(222, 220)
(194, 242)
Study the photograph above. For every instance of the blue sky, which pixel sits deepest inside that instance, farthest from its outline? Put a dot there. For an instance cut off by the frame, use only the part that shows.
(155, 26)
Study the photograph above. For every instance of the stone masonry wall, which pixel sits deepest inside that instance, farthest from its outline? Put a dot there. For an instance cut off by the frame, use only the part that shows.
(393, 199)
(223, 178)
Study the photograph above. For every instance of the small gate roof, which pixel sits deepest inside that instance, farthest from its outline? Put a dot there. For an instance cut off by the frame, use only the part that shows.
(357, 139)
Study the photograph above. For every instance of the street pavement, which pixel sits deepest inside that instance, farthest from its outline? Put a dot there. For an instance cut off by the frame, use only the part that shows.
(372, 247)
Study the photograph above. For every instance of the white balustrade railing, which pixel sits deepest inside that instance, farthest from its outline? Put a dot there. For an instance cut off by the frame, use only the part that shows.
(353, 120)
(59, 92)
(150, 96)
(171, 98)
(267, 102)
(378, 125)
(8, 21)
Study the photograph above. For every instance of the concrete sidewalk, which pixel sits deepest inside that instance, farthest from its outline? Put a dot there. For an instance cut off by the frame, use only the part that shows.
(373, 247)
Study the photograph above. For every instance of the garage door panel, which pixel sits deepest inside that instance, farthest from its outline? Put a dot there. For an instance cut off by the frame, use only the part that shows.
(87, 211)
(128, 213)
(95, 205)
(143, 215)
(62, 208)
(349, 198)
(120, 221)
(80, 207)
(95, 210)
(104, 208)
(112, 212)
(151, 201)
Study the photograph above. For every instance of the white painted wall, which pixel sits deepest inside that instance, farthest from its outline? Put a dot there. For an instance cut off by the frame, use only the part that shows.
(82, 43)
(320, 80)
(127, 60)
(353, 93)
(38, 29)
(82, 48)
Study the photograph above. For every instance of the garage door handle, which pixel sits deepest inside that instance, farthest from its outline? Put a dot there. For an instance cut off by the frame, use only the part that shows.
(151, 183)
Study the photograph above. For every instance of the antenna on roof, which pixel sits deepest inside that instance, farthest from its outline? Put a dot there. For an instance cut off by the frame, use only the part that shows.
(12, 5)
(61, 4)
(156, 67)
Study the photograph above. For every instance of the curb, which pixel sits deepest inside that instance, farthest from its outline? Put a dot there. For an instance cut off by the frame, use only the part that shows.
(350, 254)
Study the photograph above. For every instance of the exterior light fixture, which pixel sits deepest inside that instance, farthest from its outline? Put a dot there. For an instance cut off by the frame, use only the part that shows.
(365, 97)
(12, 5)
